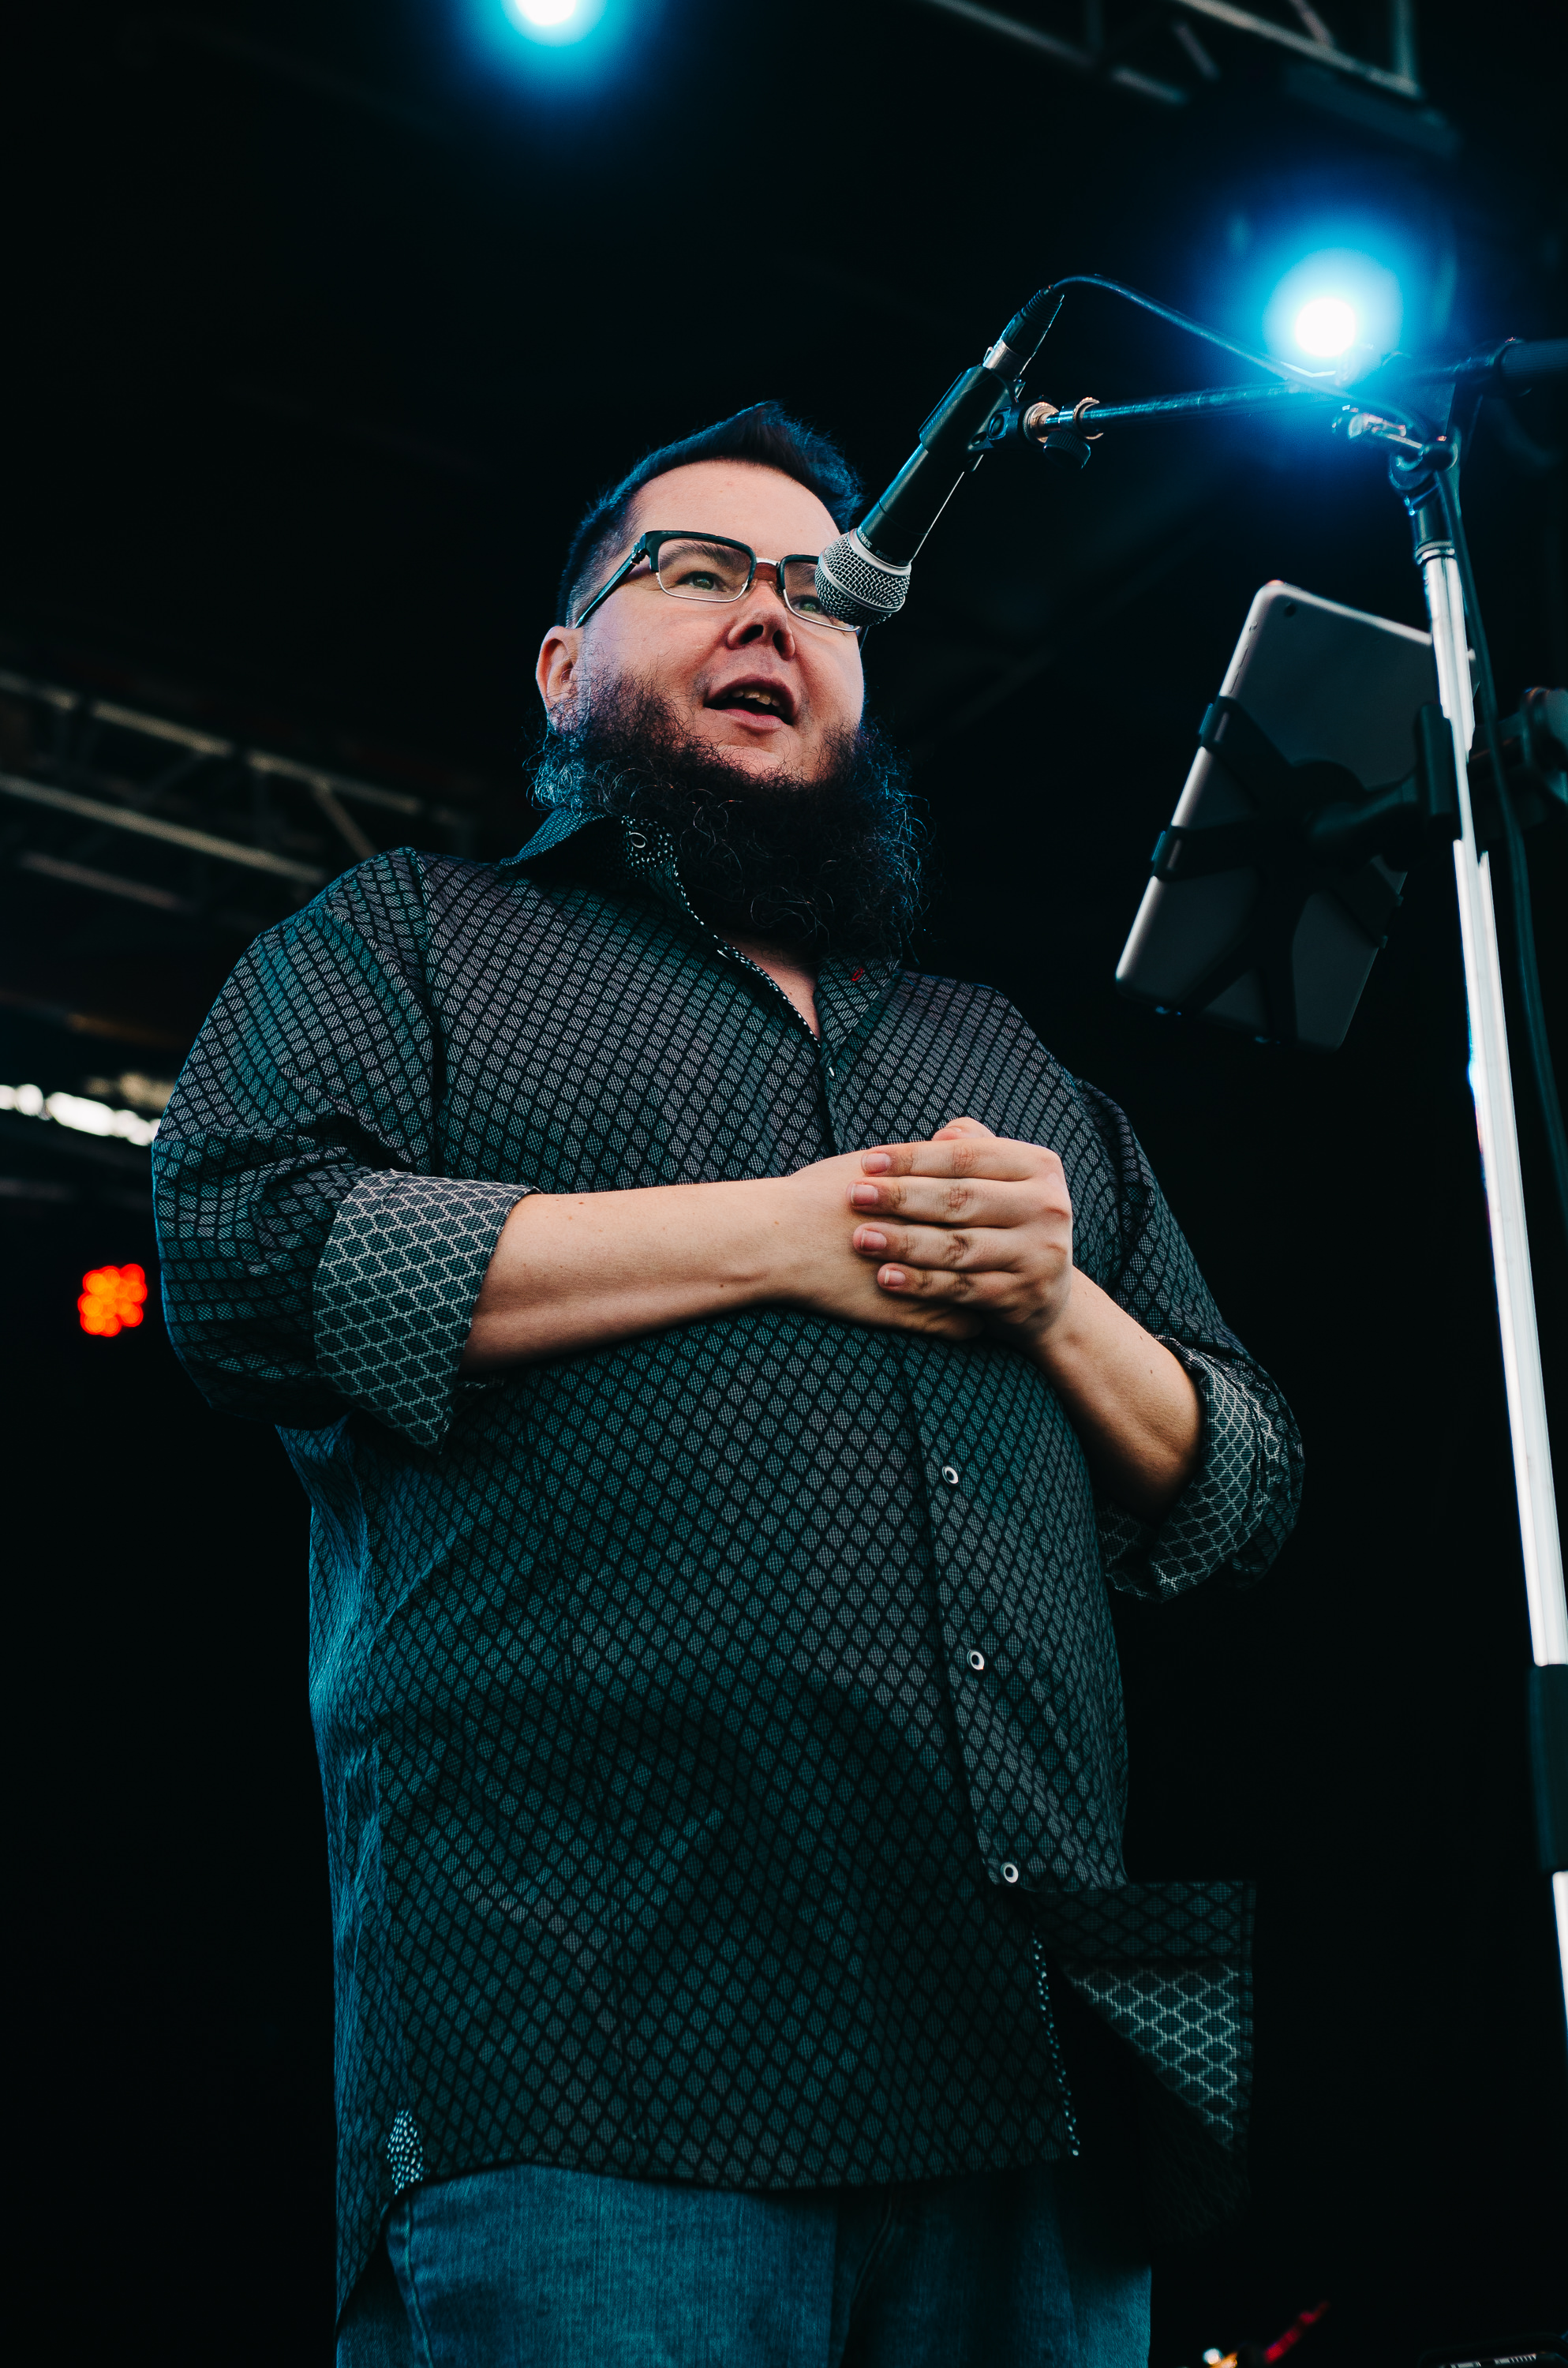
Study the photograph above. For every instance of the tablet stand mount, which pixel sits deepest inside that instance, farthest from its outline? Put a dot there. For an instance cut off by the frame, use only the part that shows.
(1313, 827)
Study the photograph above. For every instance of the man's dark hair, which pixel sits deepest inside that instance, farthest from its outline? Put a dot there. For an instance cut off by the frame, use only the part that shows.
(765, 434)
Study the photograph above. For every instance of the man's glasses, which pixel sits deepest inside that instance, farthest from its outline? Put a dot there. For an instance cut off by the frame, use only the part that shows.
(709, 567)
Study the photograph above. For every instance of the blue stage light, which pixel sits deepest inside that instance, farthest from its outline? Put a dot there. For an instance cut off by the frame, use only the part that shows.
(559, 51)
(1326, 326)
(1332, 306)
(554, 21)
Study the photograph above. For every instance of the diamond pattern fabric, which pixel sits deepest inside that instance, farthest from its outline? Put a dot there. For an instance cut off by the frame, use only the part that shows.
(671, 1829)
(395, 1289)
(1166, 1965)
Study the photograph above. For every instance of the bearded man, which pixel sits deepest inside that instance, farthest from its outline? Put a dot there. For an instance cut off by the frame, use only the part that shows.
(726, 1367)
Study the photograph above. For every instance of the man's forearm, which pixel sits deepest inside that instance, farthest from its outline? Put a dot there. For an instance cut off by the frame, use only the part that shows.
(585, 1269)
(1132, 1404)
(576, 1270)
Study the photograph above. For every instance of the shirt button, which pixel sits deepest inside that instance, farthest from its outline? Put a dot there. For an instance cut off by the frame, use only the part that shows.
(950, 1474)
(977, 1660)
(1009, 1871)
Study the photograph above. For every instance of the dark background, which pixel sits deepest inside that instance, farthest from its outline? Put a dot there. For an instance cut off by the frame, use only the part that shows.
(325, 321)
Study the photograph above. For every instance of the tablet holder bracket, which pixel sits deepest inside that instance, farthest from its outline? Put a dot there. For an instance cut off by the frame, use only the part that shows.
(1314, 828)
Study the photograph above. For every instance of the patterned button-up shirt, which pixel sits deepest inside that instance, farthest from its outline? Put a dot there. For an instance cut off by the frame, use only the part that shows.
(721, 1732)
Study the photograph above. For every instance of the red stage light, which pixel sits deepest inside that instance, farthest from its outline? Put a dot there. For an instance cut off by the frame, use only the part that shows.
(112, 1299)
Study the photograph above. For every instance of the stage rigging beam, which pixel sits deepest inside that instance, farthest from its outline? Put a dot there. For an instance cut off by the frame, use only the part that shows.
(172, 833)
(1131, 48)
(196, 806)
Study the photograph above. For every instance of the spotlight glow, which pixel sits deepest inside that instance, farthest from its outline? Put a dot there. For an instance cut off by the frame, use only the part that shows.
(561, 46)
(554, 21)
(112, 1300)
(78, 1112)
(1326, 327)
(1337, 303)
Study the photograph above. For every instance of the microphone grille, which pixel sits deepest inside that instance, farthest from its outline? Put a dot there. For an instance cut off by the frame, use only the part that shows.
(855, 587)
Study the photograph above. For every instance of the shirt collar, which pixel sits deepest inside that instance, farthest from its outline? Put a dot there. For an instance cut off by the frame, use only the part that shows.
(850, 986)
(554, 831)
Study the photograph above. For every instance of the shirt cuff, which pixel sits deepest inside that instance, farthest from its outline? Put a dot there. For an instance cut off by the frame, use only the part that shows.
(1219, 1508)
(394, 1293)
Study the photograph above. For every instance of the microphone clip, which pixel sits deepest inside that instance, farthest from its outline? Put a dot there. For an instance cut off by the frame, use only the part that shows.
(1057, 430)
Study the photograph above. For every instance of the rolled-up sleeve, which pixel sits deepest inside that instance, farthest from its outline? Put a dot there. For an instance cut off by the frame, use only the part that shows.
(1243, 1499)
(314, 1257)
(394, 1293)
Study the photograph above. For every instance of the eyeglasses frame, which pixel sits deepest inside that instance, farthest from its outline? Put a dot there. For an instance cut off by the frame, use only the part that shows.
(647, 547)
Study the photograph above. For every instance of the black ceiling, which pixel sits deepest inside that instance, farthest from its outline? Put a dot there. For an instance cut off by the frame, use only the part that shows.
(328, 319)
(333, 315)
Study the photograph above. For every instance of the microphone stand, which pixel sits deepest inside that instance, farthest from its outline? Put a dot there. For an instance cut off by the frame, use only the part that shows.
(1422, 471)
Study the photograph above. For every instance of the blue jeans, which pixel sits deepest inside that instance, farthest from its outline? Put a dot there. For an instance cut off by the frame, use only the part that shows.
(531, 2267)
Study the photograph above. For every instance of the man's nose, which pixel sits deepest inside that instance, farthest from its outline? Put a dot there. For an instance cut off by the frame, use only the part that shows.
(763, 617)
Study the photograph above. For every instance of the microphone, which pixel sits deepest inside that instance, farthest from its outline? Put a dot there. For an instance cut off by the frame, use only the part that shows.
(864, 576)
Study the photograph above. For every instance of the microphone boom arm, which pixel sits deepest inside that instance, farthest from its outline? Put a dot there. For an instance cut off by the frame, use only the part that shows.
(863, 577)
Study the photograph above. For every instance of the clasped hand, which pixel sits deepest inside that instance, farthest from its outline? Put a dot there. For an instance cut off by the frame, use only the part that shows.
(967, 1233)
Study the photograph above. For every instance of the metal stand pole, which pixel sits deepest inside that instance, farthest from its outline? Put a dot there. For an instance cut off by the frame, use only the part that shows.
(1492, 1085)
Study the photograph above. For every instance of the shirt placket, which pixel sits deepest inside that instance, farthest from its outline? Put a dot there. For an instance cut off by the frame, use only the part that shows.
(650, 854)
(849, 994)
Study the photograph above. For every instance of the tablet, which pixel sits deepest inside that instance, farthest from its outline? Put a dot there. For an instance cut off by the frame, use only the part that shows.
(1325, 684)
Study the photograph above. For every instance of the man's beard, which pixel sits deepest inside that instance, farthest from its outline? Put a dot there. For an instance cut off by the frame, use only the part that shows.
(830, 861)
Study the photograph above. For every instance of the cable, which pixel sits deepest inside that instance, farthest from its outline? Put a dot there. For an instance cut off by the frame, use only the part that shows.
(1531, 998)
(1319, 380)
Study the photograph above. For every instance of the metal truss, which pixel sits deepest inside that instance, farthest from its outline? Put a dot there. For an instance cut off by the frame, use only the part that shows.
(1167, 52)
(106, 798)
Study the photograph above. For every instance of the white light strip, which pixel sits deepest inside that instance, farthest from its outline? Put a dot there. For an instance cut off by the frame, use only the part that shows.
(76, 1111)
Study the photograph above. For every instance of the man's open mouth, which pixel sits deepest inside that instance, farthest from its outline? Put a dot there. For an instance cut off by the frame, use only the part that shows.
(755, 699)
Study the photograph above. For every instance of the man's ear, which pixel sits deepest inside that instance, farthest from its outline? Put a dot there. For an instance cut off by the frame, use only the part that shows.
(556, 673)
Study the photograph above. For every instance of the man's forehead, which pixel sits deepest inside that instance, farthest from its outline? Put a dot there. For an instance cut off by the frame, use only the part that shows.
(742, 498)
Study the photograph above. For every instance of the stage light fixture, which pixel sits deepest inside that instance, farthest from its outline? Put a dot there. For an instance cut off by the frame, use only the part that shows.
(562, 47)
(112, 1300)
(1340, 304)
(554, 20)
(1326, 327)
